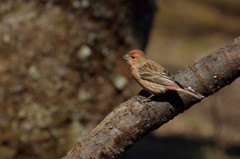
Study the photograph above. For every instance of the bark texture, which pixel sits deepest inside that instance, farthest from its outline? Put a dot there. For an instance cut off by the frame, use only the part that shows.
(131, 120)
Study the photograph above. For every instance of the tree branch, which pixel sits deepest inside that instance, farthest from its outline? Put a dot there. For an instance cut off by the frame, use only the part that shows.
(131, 120)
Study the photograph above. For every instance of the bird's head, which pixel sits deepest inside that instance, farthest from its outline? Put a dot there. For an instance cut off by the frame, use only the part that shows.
(134, 57)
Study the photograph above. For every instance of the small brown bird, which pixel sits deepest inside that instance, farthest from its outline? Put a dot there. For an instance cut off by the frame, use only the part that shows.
(153, 77)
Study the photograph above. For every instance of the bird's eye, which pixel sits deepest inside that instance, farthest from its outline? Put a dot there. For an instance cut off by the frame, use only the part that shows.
(133, 57)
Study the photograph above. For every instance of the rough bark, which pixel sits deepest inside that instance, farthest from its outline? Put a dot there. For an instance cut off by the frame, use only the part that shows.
(128, 123)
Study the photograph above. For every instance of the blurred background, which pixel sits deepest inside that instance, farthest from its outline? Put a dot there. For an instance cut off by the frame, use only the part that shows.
(61, 73)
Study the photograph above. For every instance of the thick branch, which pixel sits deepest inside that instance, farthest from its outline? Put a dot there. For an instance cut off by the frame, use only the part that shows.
(132, 119)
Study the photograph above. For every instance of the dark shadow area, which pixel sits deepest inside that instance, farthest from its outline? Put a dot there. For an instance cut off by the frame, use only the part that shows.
(233, 150)
(143, 17)
(175, 147)
(152, 147)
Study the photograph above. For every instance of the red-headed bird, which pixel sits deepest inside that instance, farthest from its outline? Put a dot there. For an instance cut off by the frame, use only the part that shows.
(153, 77)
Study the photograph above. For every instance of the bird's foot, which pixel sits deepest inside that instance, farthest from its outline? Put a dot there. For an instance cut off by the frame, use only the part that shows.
(148, 99)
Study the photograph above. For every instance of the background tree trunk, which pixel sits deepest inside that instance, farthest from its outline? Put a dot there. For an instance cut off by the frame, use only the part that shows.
(60, 69)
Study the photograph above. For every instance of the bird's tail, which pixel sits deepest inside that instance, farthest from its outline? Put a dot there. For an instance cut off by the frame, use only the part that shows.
(185, 90)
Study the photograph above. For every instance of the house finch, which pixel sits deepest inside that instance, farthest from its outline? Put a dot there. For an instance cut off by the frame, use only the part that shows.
(153, 77)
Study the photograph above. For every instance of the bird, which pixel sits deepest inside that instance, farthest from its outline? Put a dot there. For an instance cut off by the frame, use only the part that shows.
(153, 77)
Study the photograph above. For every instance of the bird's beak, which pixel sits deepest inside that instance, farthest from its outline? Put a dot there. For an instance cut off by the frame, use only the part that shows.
(126, 57)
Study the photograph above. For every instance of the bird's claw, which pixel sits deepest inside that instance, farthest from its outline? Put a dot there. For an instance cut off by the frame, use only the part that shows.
(143, 100)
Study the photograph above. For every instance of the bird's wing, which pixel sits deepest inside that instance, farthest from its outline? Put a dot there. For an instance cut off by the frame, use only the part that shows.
(155, 73)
